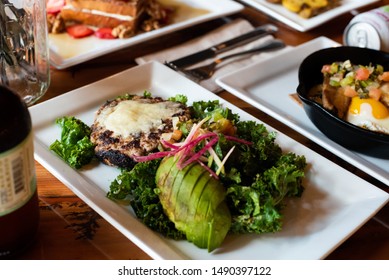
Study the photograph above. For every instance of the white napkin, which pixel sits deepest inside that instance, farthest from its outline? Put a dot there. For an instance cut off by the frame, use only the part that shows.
(223, 33)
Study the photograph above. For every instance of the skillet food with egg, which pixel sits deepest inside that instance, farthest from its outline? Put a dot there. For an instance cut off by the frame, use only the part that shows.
(358, 94)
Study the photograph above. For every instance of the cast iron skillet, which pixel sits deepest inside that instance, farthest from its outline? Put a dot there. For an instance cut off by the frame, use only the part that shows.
(348, 135)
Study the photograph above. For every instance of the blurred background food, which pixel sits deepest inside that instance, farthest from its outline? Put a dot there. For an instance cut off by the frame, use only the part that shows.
(307, 8)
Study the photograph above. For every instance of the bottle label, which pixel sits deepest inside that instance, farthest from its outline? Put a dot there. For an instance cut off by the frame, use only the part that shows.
(17, 176)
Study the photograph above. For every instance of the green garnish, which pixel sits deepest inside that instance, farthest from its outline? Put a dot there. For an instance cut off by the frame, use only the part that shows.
(74, 146)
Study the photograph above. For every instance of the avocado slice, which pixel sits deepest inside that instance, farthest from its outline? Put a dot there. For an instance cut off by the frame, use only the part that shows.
(195, 202)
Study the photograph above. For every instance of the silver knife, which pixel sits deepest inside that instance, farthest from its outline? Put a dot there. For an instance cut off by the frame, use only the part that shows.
(245, 38)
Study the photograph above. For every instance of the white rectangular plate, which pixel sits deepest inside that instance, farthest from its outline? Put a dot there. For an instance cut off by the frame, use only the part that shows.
(334, 205)
(66, 51)
(280, 13)
(270, 91)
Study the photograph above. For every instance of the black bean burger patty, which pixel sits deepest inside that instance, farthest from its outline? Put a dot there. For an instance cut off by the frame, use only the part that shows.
(132, 126)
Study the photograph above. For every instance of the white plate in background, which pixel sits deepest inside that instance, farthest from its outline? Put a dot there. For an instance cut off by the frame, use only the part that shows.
(334, 205)
(66, 51)
(282, 14)
(270, 92)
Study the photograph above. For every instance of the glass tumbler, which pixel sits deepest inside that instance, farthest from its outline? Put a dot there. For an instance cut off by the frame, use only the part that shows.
(24, 56)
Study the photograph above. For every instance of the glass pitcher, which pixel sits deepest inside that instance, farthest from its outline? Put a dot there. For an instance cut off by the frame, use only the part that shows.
(24, 57)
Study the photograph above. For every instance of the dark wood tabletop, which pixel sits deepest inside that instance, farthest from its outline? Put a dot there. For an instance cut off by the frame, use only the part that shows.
(70, 229)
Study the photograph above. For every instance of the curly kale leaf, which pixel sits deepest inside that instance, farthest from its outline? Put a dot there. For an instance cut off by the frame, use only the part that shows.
(212, 109)
(138, 187)
(260, 155)
(259, 177)
(179, 98)
(74, 146)
(264, 150)
(257, 208)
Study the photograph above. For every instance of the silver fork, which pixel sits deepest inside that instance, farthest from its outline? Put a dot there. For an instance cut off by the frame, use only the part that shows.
(206, 71)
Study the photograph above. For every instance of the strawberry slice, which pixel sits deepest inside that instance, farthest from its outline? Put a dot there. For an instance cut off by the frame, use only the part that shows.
(54, 6)
(104, 33)
(79, 31)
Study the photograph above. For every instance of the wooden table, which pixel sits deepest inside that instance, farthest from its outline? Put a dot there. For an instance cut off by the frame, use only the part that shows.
(69, 229)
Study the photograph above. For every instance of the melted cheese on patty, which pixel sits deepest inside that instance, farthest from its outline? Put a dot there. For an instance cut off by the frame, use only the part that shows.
(131, 117)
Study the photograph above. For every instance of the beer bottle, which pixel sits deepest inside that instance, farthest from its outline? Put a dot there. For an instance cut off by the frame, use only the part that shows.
(19, 209)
